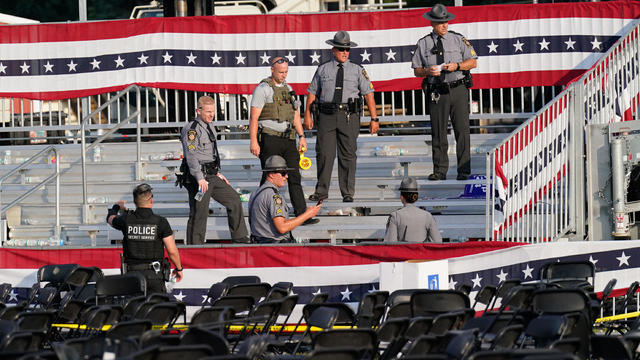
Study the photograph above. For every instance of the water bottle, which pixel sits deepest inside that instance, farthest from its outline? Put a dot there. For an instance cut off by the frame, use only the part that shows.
(6, 158)
(52, 241)
(199, 195)
(97, 154)
(397, 172)
(171, 283)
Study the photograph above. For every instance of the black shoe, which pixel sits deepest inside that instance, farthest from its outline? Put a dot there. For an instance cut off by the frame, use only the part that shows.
(314, 197)
(436, 176)
(462, 177)
(244, 240)
(311, 221)
(347, 198)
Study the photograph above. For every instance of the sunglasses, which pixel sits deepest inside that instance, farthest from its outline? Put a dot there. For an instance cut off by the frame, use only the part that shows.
(283, 173)
(280, 61)
(340, 49)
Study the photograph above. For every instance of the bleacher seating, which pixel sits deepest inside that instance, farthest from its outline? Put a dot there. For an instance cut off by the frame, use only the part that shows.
(112, 174)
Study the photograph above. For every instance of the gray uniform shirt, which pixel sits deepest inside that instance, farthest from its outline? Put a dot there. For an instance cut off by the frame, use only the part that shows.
(356, 81)
(456, 49)
(263, 94)
(412, 224)
(197, 147)
(265, 204)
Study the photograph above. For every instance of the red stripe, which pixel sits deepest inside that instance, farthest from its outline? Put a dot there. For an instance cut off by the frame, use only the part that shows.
(254, 256)
(483, 81)
(325, 22)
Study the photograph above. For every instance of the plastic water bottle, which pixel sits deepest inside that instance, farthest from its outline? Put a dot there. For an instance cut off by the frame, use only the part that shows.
(397, 172)
(97, 154)
(52, 241)
(171, 283)
(6, 157)
(199, 195)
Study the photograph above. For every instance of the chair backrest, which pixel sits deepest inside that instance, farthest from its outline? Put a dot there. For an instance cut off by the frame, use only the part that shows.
(485, 295)
(434, 302)
(239, 304)
(126, 329)
(319, 298)
(568, 270)
(560, 301)
(400, 296)
(35, 320)
(323, 317)
(284, 285)
(257, 291)
(216, 291)
(196, 335)
(46, 296)
(359, 339)
(161, 313)
(55, 274)
(129, 284)
(210, 316)
(246, 279)
(392, 329)
(346, 316)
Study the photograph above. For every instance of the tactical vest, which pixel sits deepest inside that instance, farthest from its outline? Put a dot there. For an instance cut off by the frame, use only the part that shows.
(282, 108)
(142, 243)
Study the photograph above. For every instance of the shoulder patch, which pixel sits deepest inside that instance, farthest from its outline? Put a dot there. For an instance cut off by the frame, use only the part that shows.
(464, 40)
(191, 135)
(277, 199)
(364, 73)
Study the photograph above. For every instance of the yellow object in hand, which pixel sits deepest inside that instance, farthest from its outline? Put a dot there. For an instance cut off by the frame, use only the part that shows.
(305, 162)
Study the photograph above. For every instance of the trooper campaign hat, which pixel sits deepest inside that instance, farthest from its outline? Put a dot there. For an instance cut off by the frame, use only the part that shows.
(341, 39)
(409, 184)
(141, 189)
(275, 163)
(438, 13)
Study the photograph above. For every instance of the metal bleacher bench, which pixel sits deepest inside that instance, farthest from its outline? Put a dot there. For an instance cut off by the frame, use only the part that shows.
(250, 164)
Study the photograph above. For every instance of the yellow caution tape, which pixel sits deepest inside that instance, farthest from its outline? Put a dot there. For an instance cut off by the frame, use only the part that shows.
(618, 317)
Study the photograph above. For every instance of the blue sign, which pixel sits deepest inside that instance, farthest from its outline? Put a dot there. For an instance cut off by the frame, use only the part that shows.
(433, 282)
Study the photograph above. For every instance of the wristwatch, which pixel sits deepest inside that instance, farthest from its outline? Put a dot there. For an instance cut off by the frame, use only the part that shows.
(375, 119)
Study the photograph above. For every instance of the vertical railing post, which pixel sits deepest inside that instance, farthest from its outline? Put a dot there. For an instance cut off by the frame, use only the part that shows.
(138, 137)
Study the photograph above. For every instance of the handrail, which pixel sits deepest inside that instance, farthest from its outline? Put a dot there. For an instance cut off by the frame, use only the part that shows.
(56, 175)
(97, 141)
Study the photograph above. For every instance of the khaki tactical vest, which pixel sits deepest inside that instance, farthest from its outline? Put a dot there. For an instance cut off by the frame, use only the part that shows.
(282, 108)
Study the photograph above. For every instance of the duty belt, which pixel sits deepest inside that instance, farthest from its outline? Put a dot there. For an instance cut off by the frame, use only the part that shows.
(285, 134)
(155, 265)
(443, 88)
(330, 108)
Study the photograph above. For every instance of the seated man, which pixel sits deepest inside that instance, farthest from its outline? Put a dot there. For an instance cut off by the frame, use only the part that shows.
(268, 212)
(146, 235)
(410, 223)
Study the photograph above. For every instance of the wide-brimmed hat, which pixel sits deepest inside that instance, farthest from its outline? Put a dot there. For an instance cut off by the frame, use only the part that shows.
(275, 163)
(438, 13)
(409, 184)
(341, 39)
(141, 189)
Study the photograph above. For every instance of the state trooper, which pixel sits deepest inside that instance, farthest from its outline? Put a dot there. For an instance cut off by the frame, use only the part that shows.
(274, 123)
(336, 89)
(410, 223)
(203, 175)
(146, 235)
(444, 59)
(268, 212)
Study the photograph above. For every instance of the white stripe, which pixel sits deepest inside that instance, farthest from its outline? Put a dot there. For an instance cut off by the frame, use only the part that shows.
(308, 40)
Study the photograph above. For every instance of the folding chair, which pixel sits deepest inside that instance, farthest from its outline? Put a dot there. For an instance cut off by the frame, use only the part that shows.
(245, 279)
(199, 336)
(215, 292)
(485, 296)
(435, 302)
(117, 287)
(323, 317)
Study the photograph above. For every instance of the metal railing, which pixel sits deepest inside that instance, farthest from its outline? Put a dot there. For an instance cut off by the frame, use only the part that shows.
(164, 112)
(111, 131)
(24, 165)
(542, 161)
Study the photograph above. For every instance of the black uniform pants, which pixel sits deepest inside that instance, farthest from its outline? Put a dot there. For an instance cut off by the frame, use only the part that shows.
(285, 147)
(456, 105)
(340, 130)
(199, 210)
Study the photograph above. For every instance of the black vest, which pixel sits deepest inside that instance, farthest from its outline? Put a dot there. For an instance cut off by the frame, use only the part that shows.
(142, 242)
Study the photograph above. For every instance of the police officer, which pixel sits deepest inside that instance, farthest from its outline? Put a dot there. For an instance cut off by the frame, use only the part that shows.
(442, 57)
(273, 125)
(201, 154)
(268, 212)
(336, 87)
(410, 223)
(146, 235)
